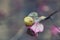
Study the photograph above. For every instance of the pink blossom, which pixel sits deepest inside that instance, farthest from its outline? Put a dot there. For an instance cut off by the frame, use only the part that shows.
(37, 27)
(44, 8)
(55, 30)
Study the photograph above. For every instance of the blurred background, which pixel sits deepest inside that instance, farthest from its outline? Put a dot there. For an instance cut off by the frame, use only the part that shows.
(12, 13)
